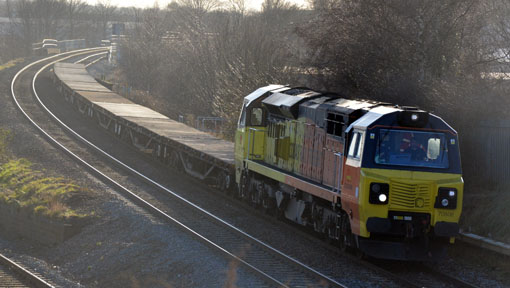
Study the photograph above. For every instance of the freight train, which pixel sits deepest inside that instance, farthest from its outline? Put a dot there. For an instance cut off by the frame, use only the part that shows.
(376, 178)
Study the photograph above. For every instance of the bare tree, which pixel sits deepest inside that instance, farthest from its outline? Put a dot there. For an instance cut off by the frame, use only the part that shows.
(48, 15)
(104, 12)
(194, 11)
(24, 11)
(238, 6)
(73, 9)
(206, 67)
(394, 48)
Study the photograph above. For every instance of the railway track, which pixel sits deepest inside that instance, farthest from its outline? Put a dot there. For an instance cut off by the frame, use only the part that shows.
(407, 274)
(276, 268)
(92, 59)
(14, 275)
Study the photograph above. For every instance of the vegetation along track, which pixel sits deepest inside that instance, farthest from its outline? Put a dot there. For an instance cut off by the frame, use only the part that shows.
(278, 268)
(14, 275)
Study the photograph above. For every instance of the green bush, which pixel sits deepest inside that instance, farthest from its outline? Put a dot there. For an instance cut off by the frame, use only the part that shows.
(5, 138)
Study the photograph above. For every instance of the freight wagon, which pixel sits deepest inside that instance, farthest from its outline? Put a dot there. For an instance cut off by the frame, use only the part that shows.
(197, 153)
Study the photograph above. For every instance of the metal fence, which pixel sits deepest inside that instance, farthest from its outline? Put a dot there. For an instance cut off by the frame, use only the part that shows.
(486, 153)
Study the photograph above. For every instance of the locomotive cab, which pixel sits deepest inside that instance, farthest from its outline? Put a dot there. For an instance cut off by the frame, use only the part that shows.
(250, 132)
(402, 185)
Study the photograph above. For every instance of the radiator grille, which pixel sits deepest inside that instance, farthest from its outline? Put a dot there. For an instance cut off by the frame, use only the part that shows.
(410, 195)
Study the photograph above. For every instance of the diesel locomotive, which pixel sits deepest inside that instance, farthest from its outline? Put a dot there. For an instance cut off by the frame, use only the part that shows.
(377, 178)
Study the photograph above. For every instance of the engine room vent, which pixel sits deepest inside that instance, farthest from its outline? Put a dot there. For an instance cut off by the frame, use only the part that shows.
(287, 105)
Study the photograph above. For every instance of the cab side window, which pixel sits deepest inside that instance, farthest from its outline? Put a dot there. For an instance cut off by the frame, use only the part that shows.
(256, 117)
(242, 119)
(355, 147)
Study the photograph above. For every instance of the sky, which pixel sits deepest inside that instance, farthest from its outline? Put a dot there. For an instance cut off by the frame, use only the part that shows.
(252, 4)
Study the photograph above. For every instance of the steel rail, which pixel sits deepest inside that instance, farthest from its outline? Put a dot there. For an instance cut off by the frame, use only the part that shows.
(291, 260)
(95, 61)
(133, 196)
(31, 278)
(90, 56)
(457, 282)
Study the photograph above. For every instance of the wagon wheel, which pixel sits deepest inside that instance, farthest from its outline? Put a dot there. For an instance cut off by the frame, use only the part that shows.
(268, 204)
(224, 181)
(175, 160)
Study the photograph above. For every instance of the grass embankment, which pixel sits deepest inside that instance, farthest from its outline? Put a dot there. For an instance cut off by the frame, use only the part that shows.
(31, 189)
(487, 215)
(11, 63)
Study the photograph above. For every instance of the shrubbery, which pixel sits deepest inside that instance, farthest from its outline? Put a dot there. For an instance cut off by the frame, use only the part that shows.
(22, 186)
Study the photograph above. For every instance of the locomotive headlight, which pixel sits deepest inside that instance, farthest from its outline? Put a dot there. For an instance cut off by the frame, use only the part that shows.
(414, 117)
(446, 198)
(378, 193)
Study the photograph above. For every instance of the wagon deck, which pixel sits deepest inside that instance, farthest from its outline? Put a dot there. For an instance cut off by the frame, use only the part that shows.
(147, 129)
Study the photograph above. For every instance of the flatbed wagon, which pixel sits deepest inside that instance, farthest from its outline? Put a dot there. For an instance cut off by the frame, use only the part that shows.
(197, 153)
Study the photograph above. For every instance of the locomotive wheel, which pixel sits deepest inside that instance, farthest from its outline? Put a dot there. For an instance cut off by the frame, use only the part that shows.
(268, 205)
(279, 213)
(346, 241)
(342, 243)
(360, 254)
(255, 197)
(330, 237)
(243, 186)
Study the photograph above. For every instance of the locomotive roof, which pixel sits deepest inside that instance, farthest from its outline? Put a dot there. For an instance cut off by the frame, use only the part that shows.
(287, 104)
(285, 101)
(391, 115)
(373, 115)
(261, 91)
(346, 106)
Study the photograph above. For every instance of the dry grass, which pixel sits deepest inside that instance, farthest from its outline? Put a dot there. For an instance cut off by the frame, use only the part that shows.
(5, 138)
(11, 63)
(28, 188)
(486, 214)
